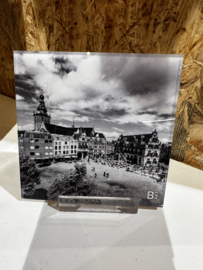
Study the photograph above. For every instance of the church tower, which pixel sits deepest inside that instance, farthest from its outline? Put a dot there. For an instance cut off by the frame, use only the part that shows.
(41, 115)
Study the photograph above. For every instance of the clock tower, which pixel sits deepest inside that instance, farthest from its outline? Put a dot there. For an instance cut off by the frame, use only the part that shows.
(41, 115)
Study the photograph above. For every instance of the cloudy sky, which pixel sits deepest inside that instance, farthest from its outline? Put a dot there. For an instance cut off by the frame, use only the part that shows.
(115, 93)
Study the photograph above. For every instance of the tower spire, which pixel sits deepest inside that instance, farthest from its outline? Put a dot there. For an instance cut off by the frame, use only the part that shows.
(41, 115)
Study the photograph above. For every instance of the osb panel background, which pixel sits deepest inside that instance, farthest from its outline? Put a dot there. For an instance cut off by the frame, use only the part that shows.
(133, 26)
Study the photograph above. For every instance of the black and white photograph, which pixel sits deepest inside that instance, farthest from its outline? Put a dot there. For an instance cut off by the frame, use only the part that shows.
(95, 124)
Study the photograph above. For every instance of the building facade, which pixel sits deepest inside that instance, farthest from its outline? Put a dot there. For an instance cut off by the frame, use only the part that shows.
(64, 147)
(97, 145)
(143, 150)
(36, 145)
(110, 148)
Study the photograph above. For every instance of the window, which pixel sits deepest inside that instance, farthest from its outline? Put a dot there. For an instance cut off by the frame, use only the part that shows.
(50, 147)
(59, 147)
(55, 147)
(46, 141)
(55, 152)
(36, 140)
(31, 136)
(64, 147)
(71, 146)
(32, 147)
(59, 152)
(65, 142)
(64, 152)
(75, 151)
(71, 151)
(36, 147)
(46, 153)
(75, 146)
(50, 153)
(32, 153)
(22, 147)
(21, 140)
(37, 154)
(55, 143)
(59, 143)
(46, 147)
(50, 141)
(31, 141)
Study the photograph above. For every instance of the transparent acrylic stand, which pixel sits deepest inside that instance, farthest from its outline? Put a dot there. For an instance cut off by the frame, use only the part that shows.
(98, 204)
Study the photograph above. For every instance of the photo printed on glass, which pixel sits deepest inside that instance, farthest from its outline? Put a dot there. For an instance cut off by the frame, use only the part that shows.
(95, 124)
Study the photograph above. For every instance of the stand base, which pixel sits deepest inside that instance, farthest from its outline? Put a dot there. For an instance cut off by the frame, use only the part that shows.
(98, 204)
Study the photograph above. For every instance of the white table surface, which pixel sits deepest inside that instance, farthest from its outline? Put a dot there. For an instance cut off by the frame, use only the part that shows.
(35, 236)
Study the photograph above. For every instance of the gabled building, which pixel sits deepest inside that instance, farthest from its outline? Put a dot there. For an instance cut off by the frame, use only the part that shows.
(82, 138)
(110, 148)
(143, 150)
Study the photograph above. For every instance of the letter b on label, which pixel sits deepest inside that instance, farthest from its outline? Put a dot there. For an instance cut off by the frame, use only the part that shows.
(150, 195)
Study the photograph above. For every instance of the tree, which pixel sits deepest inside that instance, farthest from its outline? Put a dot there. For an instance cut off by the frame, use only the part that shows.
(29, 176)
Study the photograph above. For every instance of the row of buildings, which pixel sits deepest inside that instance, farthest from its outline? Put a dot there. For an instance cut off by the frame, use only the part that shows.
(48, 141)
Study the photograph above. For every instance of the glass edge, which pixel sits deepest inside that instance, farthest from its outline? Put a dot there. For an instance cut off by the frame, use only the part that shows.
(100, 53)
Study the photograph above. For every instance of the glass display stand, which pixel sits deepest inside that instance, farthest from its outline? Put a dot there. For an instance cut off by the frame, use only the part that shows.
(98, 204)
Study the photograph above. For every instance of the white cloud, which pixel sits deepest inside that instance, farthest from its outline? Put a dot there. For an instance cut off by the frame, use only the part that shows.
(118, 129)
(111, 135)
(87, 94)
(18, 97)
(26, 127)
(22, 105)
(35, 101)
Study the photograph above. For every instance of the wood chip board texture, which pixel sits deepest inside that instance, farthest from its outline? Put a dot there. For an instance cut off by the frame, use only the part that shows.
(123, 26)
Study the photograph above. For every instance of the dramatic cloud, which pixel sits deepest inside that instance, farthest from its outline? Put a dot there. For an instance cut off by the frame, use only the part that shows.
(117, 94)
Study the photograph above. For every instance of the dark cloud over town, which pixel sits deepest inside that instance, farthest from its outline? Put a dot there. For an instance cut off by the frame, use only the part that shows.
(129, 94)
